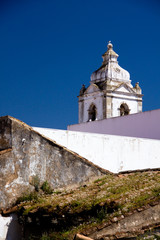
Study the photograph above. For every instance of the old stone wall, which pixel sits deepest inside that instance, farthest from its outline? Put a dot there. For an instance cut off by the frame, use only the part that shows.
(25, 155)
(5, 133)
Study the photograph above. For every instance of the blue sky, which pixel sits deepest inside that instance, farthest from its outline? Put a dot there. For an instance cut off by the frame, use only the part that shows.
(49, 48)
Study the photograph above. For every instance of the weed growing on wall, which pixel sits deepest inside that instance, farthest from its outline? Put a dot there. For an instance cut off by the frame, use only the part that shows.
(35, 181)
(46, 188)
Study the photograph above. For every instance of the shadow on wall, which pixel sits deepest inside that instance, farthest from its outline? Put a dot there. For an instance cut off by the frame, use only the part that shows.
(14, 229)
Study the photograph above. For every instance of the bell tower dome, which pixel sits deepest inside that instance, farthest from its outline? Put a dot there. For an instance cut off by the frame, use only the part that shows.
(110, 92)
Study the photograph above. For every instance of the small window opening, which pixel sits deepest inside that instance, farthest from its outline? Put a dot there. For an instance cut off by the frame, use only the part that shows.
(124, 109)
(92, 113)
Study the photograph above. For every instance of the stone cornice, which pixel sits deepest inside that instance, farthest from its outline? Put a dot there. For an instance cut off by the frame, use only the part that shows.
(124, 93)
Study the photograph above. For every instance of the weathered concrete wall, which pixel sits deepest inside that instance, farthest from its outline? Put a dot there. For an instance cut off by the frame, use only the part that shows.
(114, 153)
(142, 125)
(28, 154)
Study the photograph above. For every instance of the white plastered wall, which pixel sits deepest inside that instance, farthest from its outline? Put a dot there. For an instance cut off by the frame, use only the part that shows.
(113, 153)
(10, 229)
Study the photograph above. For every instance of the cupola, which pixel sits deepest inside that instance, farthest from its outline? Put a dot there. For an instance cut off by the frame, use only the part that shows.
(110, 69)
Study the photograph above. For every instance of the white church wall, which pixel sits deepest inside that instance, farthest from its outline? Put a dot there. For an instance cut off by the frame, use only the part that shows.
(142, 125)
(114, 153)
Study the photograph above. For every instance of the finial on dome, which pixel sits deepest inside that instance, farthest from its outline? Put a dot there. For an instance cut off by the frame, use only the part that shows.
(110, 45)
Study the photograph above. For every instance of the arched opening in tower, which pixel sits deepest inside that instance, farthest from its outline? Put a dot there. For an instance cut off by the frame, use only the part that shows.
(92, 112)
(124, 109)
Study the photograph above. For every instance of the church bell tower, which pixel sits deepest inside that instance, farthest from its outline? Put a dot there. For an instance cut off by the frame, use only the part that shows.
(110, 93)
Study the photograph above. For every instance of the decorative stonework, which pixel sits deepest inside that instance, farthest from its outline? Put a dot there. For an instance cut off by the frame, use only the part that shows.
(109, 91)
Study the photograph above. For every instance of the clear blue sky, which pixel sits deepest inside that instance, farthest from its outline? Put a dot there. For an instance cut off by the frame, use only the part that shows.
(49, 48)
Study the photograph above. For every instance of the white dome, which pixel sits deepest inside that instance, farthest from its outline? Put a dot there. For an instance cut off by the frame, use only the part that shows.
(110, 68)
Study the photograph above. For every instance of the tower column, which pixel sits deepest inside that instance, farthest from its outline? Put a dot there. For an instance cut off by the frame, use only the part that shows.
(108, 106)
(104, 106)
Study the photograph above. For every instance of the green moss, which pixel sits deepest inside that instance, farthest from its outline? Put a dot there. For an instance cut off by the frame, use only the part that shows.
(100, 200)
(33, 196)
(57, 192)
(156, 191)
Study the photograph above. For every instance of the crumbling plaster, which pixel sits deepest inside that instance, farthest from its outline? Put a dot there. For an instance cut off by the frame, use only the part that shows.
(33, 155)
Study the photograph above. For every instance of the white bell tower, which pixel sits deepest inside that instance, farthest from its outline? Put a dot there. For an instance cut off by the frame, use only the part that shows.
(110, 93)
